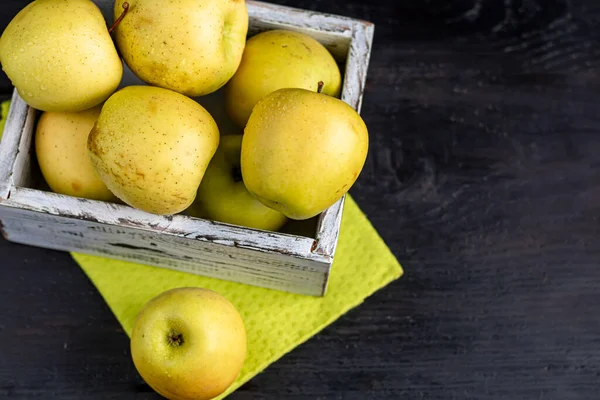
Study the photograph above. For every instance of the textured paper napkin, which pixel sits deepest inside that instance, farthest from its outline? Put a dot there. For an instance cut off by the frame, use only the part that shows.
(4, 106)
(276, 322)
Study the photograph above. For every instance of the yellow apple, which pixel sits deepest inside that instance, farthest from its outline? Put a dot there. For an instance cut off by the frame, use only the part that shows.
(279, 59)
(302, 151)
(61, 150)
(151, 147)
(190, 46)
(222, 195)
(59, 55)
(189, 343)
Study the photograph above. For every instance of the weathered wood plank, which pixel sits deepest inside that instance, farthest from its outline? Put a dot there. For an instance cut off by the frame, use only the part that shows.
(183, 226)
(357, 64)
(22, 168)
(355, 78)
(16, 121)
(328, 229)
(198, 256)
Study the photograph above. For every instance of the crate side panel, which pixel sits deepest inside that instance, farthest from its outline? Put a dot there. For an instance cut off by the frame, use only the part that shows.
(328, 229)
(352, 93)
(187, 255)
(23, 167)
(357, 65)
(9, 144)
(156, 242)
(176, 225)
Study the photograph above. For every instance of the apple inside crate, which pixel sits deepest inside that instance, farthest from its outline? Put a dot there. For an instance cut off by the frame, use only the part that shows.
(296, 259)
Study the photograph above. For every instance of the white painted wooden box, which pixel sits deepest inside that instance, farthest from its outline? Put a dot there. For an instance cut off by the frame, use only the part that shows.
(298, 259)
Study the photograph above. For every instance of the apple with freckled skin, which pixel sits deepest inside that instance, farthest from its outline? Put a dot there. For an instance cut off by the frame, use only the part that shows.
(151, 147)
(189, 343)
(302, 151)
(190, 46)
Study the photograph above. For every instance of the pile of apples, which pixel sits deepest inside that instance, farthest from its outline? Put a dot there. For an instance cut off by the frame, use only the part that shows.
(153, 146)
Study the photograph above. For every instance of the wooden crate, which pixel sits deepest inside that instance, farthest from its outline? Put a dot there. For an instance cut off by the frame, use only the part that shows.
(290, 261)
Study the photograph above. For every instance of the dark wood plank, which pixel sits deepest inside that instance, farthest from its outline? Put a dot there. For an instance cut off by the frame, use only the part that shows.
(57, 336)
(483, 178)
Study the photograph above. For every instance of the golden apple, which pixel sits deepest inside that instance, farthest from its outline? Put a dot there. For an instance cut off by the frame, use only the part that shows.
(151, 147)
(302, 151)
(190, 46)
(222, 195)
(279, 59)
(59, 55)
(61, 150)
(189, 343)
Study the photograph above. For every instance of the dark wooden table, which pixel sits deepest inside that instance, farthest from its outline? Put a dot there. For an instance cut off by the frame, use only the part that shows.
(483, 178)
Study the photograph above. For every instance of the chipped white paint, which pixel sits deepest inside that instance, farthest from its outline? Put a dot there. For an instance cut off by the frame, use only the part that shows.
(19, 118)
(219, 258)
(268, 259)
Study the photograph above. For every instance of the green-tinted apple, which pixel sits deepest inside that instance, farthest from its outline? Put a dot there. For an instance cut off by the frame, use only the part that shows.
(4, 107)
(222, 195)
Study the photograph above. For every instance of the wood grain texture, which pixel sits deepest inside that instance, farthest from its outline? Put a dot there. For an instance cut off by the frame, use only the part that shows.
(197, 257)
(483, 179)
(175, 242)
(19, 118)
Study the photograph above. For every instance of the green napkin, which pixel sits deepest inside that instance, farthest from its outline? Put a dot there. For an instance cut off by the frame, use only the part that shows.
(4, 106)
(276, 322)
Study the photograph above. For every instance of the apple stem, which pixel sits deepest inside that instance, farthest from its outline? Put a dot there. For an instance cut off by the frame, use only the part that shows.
(320, 86)
(114, 25)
